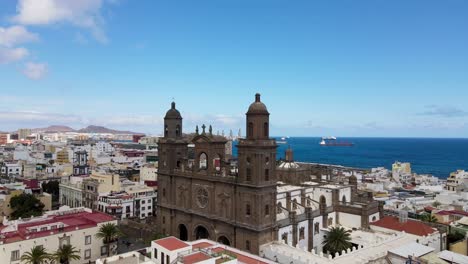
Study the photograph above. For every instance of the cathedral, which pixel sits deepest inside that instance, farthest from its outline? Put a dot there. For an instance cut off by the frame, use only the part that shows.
(202, 193)
(206, 197)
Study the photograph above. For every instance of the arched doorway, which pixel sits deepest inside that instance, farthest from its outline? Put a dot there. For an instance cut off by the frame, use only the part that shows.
(224, 240)
(201, 233)
(183, 233)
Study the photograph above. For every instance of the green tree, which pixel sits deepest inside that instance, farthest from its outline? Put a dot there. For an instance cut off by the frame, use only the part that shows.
(25, 205)
(436, 204)
(52, 187)
(66, 253)
(455, 236)
(109, 233)
(426, 217)
(37, 255)
(337, 240)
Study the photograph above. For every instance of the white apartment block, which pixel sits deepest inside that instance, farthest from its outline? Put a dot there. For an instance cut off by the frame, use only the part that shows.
(55, 228)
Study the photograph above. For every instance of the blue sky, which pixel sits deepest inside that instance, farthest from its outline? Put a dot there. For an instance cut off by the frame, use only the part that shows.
(344, 68)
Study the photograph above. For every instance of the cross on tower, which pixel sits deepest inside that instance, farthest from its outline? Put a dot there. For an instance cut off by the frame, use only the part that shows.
(203, 127)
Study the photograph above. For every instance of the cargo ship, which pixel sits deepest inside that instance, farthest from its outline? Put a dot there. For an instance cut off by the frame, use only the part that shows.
(332, 142)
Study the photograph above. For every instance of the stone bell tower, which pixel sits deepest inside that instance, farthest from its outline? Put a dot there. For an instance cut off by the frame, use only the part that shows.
(257, 178)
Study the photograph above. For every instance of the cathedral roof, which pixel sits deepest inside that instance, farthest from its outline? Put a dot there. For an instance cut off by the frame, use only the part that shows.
(173, 113)
(257, 107)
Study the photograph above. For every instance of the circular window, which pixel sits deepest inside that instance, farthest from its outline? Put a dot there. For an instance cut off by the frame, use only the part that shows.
(202, 197)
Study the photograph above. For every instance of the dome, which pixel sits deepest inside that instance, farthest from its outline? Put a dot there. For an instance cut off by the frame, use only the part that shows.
(257, 107)
(173, 113)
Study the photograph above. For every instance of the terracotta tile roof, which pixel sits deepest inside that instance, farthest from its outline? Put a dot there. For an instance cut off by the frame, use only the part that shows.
(201, 245)
(195, 258)
(410, 226)
(171, 243)
(240, 257)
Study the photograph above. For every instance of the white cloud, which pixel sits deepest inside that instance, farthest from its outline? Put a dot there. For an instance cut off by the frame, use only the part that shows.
(35, 71)
(82, 13)
(444, 111)
(33, 116)
(8, 55)
(14, 35)
(128, 121)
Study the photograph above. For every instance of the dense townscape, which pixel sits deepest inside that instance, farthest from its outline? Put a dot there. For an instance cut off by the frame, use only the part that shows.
(106, 196)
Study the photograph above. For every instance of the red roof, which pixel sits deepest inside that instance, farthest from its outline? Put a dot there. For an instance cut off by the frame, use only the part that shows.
(201, 245)
(195, 258)
(171, 243)
(72, 222)
(443, 213)
(410, 226)
(240, 257)
(452, 212)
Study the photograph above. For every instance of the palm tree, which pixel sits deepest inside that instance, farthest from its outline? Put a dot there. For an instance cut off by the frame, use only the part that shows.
(37, 255)
(429, 218)
(108, 233)
(337, 240)
(66, 253)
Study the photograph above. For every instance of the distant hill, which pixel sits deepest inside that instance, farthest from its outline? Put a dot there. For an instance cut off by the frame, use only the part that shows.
(103, 130)
(54, 128)
(88, 129)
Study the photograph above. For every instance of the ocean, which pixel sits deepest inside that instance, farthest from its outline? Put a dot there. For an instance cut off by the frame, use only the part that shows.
(435, 156)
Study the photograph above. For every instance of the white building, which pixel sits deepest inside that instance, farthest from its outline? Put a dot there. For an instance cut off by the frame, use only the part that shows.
(401, 171)
(55, 228)
(457, 181)
(144, 200)
(171, 250)
(119, 205)
(148, 172)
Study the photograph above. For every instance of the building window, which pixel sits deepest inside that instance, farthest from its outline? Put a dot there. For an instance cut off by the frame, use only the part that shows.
(301, 233)
(248, 174)
(203, 160)
(64, 241)
(87, 254)
(265, 129)
(284, 237)
(143, 202)
(267, 210)
(103, 250)
(330, 221)
(316, 228)
(156, 253)
(250, 130)
(15, 255)
(267, 174)
(247, 245)
(294, 204)
(164, 192)
(87, 240)
(247, 209)
(163, 219)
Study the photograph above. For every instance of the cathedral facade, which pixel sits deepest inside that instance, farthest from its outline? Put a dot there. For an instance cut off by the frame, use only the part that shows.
(205, 196)
(245, 204)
